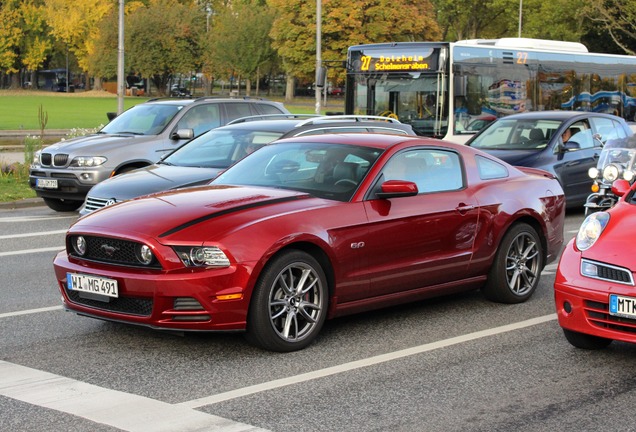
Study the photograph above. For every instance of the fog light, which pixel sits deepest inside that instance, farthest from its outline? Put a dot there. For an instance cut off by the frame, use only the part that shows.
(567, 307)
(144, 255)
(86, 176)
(79, 245)
(589, 269)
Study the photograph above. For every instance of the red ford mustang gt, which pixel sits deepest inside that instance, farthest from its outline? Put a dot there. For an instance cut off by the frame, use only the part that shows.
(594, 287)
(311, 228)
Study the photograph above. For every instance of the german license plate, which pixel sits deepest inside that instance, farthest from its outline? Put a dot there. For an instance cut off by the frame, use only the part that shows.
(46, 183)
(92, 284)
(622, 306)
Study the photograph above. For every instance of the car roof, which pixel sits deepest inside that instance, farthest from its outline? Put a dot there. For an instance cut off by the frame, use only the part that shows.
(379, 141)
(557, 115)
(187, 101)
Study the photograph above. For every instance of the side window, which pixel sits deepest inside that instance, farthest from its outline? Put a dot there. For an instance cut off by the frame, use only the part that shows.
(268, 109)
(489, 169)
(607, 129)
(581, 134)
(432, 170)
(236, 110)
(201, 119)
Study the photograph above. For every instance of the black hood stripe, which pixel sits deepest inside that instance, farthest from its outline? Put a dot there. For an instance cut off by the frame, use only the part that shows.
(229, 211)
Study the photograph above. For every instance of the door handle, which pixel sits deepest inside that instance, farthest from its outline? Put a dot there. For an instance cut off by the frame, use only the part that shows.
(464, 208)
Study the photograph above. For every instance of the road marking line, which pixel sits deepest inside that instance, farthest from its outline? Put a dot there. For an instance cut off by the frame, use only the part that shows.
(30, 311)
(34, 234)
(114, 408)
(34, 218)
(346, 367)
(29, 251)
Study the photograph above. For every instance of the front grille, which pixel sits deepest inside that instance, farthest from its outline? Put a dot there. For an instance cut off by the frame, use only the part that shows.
(93, 203)
(597, 314)
(111, 251)
(610, 273)
(127, 305)
(59, 160)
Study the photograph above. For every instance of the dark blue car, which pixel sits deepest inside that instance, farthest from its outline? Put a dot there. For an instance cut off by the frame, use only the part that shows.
(565, 143)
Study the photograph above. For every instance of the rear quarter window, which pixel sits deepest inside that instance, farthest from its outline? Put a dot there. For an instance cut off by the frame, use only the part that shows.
(489, 169)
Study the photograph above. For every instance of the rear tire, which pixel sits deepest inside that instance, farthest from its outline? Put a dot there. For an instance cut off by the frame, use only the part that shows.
(62, 205)
(585, 341)
(514, 275)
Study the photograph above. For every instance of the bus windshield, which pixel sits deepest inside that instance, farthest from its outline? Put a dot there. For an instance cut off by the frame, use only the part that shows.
(416, 100)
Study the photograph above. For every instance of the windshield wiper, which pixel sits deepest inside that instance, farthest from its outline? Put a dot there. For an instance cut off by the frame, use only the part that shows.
(128, 132)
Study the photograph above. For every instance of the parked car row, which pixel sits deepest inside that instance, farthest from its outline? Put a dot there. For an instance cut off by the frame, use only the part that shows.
(334, 218)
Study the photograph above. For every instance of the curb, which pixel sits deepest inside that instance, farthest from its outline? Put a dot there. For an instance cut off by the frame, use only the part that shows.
(20, 204)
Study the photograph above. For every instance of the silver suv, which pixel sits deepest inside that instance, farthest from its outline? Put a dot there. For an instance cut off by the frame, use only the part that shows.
(63, 173)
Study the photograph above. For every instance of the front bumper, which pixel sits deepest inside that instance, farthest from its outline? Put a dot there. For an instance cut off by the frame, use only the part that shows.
(182, 300)
(71, 184)
(582, 303)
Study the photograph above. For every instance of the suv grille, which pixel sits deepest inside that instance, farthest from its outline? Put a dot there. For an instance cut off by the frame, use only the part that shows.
(110, 251)
(59, 160)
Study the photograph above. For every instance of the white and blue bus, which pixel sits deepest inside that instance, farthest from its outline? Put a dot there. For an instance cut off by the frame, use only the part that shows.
(450, 90)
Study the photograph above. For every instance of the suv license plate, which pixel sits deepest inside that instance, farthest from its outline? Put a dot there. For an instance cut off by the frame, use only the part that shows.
(622, 306)
(92, 284)
(46, 183)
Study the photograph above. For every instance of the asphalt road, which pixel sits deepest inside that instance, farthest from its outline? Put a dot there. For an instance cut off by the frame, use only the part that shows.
(458, 363)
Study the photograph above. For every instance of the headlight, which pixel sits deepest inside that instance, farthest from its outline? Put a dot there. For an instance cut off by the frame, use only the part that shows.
(144, 254)
(79, 245)
(611, 173)
(202, 256)
(593, 172)
(628, 175)
(36, 157)
(87, 161)
(591, 230)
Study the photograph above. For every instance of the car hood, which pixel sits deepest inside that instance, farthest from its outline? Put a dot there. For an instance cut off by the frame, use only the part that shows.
(515, 157)
(168, 214)
(610, 247)
(151, 179)
(95, 141)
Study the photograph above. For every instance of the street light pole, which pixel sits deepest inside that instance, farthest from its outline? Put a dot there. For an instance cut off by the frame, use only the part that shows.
(120, 61)
(520, 15)
(318, 52)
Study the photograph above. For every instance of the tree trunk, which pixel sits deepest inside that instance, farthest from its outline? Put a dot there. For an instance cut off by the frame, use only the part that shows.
(97, 84)
(289, 88)
(248, 87)
(15, 81)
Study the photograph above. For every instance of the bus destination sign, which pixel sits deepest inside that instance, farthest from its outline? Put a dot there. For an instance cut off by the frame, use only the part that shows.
(398, 62)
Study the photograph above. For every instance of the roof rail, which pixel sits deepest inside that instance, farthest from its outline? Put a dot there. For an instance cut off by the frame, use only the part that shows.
(352, 117)
(230, 97)
(271, 117)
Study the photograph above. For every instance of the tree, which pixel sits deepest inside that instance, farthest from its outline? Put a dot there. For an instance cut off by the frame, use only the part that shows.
(344, 23)
(617, 18)
(162, 40)
(76, 24)
(242, 52)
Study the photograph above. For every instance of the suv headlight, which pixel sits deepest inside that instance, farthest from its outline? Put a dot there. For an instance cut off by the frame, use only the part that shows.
(202, 256)
(36, 157)
(591, 229)
(88, 161)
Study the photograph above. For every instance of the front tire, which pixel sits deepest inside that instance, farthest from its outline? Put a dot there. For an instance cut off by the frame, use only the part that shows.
(62, 205)
(289, 303)
(585, 341)
(514, 275)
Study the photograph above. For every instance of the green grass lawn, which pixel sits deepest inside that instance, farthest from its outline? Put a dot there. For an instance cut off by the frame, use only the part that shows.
(19, 109)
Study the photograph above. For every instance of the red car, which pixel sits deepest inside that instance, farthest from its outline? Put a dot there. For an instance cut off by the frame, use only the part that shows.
(311, 228)
(594, 286)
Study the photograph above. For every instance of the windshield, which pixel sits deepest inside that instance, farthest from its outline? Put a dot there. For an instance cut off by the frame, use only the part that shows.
(526, 134)
(417, 99)
(143, 119)
(220, 148)
(328, 171)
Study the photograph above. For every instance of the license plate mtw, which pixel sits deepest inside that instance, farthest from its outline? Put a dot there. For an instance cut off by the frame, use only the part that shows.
(92, 284)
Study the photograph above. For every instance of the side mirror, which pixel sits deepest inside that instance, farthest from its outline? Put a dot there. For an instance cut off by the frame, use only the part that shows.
(570, 145)
(620, 187)
(182, 134)
(111, 115)
(397, 188)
